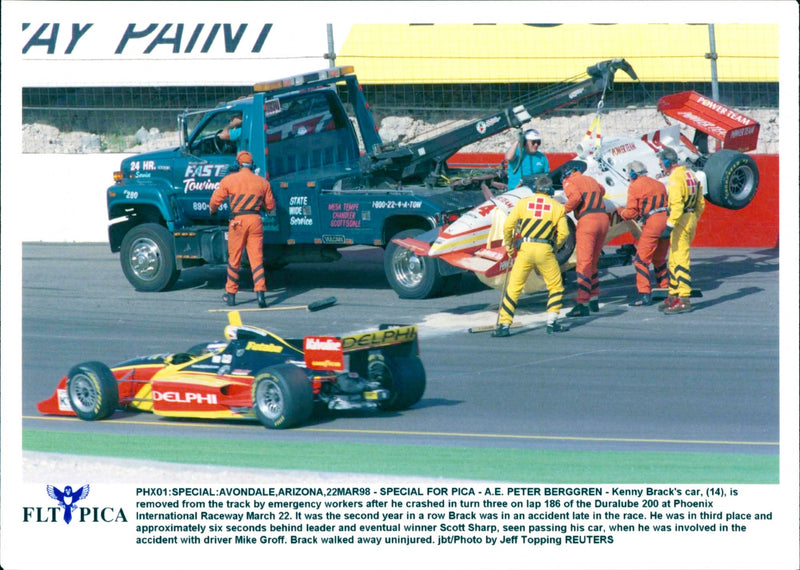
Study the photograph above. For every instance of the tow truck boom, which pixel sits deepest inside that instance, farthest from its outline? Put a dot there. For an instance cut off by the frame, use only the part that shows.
(426, 160)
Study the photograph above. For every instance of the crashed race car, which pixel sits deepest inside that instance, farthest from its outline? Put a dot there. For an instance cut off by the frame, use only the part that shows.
(729, 178)
(253, 374)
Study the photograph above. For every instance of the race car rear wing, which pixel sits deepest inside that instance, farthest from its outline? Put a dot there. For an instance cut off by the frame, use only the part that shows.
(736, 131)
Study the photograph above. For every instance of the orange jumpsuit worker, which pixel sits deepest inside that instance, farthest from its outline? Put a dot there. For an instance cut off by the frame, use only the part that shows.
(543, 227)
(647, 202)
(686, 204)
(585, 198)
(248, 195)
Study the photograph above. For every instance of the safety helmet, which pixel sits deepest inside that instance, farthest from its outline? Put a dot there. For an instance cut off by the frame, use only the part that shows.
(636, 169)
(569, 169)
(532, 135)
(668, 156)
(543, 185)
(245, 159)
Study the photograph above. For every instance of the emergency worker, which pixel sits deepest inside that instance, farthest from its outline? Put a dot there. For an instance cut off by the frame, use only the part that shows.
(686, 204)
(647, 203)
(248, 194)
(543, 229)
(585, 198)
(531, 160)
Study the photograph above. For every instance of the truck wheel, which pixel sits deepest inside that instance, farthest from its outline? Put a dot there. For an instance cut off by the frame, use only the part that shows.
(732, 179)
(282, 396)
(410, 275)
(147, 256)
(565, 252)
(92, 390)
(403, 376)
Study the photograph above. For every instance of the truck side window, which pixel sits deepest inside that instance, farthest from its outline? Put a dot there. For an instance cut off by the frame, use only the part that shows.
(310, 131)
(207, 139)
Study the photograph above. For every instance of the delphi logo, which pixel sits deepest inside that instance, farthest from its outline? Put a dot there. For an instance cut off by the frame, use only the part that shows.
(68, 509)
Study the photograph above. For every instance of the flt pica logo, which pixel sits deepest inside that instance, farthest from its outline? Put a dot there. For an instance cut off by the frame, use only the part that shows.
(67, 499)
(68, 510)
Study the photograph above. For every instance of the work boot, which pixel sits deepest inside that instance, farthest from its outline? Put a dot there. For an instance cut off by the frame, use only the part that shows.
(262, 298)
(229, 298)
(556, 327)
(668, 302)
(682, 305)
(579, 310)
(643, 300)
(594, 305)
(502, 330)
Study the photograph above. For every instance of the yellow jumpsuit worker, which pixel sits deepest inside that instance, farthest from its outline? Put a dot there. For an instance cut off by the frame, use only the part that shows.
(543, 229)
(686, 204)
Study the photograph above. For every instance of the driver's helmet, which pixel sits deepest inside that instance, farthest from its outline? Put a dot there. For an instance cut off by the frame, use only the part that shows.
(636, 169)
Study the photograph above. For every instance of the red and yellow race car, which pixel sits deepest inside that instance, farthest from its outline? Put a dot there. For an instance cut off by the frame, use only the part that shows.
(253, 373)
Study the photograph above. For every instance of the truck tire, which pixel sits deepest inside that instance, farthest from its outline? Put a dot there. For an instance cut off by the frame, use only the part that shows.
(732, 179)
(148, 260)
(92, 390)
(410, 275)
(403, 376)
(282, 396)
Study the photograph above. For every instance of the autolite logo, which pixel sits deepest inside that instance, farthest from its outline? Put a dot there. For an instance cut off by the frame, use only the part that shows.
(184, 397)
(68, 511)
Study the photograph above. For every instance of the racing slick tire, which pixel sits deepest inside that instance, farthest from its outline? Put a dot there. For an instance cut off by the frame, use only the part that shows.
(732, 179)
(565, 251)
(403, 376)
(147, 255)
(92, 390)
(282, 396)
(410, 275)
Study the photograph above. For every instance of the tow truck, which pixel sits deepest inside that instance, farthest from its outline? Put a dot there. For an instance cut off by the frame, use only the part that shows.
(336, 183)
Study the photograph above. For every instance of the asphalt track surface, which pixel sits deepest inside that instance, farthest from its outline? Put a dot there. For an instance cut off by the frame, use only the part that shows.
(629, 379)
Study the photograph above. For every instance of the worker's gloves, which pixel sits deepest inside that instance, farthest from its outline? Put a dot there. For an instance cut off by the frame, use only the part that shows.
(666, 233)
(511, 251)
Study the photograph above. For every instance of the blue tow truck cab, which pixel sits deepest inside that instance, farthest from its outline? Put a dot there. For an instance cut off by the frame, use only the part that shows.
(335, 183)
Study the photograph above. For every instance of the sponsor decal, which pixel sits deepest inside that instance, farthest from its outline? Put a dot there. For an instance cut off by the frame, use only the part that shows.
(63, 401)
(184, 397)
(483, 126)
(323, 353)
(623, 148)
(263, 347)
(68, 511)
(380, 338)
(337, 239)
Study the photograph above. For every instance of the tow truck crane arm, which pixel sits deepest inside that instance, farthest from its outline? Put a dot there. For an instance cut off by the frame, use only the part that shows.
(422, 161)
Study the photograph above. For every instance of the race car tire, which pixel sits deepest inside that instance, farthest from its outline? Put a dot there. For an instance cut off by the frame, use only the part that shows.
(410, 275)
(92, 390)
(565, 251)
(403, 376)
(732, 179)
(147, 255)
(282, 396)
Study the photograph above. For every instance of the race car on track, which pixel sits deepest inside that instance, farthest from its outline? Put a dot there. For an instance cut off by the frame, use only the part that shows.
(473, 242)
(253, 374)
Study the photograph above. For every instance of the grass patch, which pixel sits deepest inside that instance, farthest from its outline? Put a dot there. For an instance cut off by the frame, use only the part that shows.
(476, 463)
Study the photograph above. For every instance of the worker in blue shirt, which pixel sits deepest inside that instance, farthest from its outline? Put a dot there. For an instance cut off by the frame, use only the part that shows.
(530, 160)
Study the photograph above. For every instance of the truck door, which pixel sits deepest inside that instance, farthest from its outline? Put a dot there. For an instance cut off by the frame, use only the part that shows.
(209, 157)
